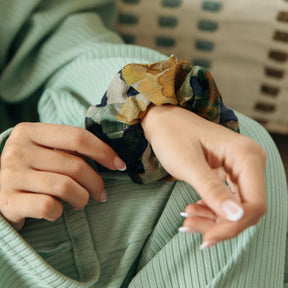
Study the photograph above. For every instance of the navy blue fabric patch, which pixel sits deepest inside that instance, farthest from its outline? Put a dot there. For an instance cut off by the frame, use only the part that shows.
(103, 101)
(196, 86)
(132, 92)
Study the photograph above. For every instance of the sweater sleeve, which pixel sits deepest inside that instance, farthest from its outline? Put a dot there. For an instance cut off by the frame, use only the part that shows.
(50, 43)
(65, 53)
(40, 37)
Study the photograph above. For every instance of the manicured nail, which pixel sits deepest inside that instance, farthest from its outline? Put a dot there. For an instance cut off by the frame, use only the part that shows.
(183, 229)
(119, 164)
(232, 210)
(207, 244)
(103, 196)
(204, 245)
(184, 214)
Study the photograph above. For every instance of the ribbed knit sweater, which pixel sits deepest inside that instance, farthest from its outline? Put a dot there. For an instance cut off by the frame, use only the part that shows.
(62, 55)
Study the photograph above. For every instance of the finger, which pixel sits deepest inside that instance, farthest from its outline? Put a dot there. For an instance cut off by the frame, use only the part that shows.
(70, 165)
(22, 205)
(60, 186)
(251, 183)
(234, 189)
(214, 192)
(199, 210)
(226, 230)
(197, 224)
(201, 202)
(222, 174)
(71, 138)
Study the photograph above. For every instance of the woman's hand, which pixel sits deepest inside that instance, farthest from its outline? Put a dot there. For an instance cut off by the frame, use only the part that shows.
(205, 155)
(42, 164)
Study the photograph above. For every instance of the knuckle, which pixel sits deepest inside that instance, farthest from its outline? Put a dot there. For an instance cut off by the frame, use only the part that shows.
(251, 147)
(78, 166)
(5, 204)
(11, 153)
(62, 187)
(20, 130)
(77, 137)
(47, 207)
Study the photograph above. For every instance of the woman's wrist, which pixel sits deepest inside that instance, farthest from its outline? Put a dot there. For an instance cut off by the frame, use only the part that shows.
(154, 117)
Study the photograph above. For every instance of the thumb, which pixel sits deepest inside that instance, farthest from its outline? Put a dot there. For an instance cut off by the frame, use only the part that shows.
(214, 192)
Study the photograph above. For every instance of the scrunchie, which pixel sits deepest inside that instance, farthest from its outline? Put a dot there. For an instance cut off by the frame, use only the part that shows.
(116, 120)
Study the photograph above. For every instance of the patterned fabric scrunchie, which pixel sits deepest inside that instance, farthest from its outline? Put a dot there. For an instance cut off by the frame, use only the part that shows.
(116, 120)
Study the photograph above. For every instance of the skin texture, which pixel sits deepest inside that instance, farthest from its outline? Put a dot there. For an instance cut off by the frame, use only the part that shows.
(42, 163)
(204, 154)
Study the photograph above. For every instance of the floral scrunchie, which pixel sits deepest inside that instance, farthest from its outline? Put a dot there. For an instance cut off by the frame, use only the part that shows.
(116, 120)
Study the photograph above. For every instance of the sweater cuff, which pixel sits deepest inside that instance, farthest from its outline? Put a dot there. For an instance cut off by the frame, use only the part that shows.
(3, 138)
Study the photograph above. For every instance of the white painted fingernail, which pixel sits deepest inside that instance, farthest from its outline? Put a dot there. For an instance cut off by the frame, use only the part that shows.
(232, 210)
(184, 214)
(207, 244)
(122, 169)
(119, 164)
(183, 229)
(204, 245)
(103, 196)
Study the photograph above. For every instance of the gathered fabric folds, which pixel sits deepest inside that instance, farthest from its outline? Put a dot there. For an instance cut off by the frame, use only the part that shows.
(116, 120)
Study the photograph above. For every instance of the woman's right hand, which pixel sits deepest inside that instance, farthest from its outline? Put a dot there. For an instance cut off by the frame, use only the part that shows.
(42, 163)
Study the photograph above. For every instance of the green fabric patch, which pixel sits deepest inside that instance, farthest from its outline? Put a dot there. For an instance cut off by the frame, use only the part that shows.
(171, 3)
(128, 19)
(129, 38)
(211, 6)
(165, 41)
(204, 45)
(207, 25)
(167, 21)
(131, 1)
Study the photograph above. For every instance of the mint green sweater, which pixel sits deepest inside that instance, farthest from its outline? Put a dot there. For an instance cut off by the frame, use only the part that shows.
(61, 56)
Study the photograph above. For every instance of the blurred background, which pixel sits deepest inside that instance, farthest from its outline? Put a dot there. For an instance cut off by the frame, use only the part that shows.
(243, 43)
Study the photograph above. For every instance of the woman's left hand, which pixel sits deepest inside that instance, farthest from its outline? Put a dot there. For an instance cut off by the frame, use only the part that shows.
(205, 154)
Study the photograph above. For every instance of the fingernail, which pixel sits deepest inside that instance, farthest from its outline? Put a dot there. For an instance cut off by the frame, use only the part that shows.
(103, 196)
(119, 164)
(232, 210)
(183, 229)
(184, 214)
(207, 244)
